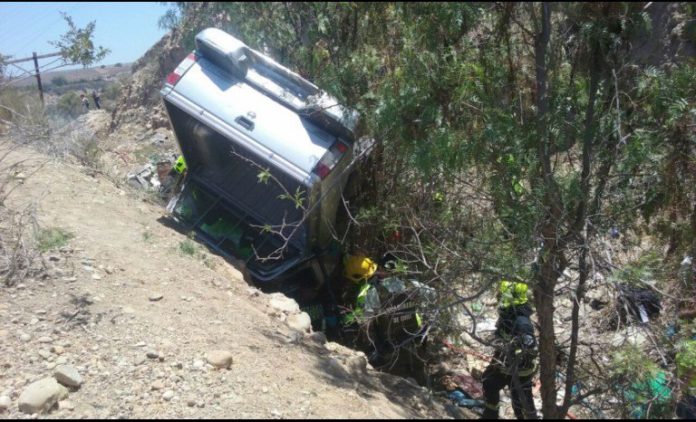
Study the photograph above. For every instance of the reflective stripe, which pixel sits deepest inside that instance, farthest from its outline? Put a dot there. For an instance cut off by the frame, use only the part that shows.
(419, 321)
(180, 164)
(493, 406)
(363, 294)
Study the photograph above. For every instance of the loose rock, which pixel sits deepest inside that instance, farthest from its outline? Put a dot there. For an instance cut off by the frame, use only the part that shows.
(284, 304)
(219, 358)
(318, 337)
(168, 395)
(5, 403)
(155, 297)
(357, 365)
(152, 354)
(65, 404)
(68, 376)
(300, 322)
(40, 396)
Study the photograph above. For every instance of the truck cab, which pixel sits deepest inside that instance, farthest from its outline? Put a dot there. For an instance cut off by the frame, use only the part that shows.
(267, 153)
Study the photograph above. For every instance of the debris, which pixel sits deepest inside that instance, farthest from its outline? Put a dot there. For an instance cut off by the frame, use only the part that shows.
(144, 178)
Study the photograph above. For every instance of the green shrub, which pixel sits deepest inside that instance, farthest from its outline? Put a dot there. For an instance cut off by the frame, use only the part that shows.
(59, 81)
(69, 104)
(52, 238)
(187, 247)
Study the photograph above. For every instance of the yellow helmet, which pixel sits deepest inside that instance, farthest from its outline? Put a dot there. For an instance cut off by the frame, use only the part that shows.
(357, 268)
(512, 293)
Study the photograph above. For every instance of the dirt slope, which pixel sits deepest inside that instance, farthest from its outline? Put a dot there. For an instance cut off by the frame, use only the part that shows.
(94, 311)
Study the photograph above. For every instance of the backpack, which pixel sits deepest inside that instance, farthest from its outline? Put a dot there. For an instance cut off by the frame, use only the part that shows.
(521, 349)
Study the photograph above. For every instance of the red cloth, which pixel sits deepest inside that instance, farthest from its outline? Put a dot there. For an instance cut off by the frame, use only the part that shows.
(467, 383)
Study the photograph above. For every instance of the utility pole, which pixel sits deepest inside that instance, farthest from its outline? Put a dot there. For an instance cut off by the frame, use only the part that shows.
(35, 58)
(38, 78)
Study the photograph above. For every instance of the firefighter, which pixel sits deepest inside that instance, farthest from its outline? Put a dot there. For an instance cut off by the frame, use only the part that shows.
(384, 320)
(514, 360)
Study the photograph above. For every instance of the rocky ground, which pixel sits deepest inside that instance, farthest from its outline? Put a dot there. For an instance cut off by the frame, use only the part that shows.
(132, 326)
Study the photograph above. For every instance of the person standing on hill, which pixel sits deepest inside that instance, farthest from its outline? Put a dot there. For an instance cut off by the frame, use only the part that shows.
(95, 97)
(85, 103)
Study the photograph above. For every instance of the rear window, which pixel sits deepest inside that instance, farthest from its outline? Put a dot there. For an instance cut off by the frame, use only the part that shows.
(230, 230)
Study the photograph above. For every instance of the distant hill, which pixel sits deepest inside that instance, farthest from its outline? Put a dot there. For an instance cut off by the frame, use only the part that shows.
(70, 78)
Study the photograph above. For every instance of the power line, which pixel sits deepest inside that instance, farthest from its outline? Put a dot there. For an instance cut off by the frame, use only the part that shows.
(26, 31)
(71, 10)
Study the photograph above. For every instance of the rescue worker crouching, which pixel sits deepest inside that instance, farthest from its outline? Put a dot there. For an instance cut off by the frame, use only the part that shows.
(384, 321)
(514, 360)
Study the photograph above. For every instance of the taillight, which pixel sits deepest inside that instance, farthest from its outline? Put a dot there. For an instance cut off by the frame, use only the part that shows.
(330, 159)
(174, 77)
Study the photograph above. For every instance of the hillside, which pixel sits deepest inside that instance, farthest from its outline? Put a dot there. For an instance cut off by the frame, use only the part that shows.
(98, 73)
(121, 288)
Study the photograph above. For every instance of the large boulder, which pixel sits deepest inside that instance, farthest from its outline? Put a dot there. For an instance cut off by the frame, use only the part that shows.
(40, 396)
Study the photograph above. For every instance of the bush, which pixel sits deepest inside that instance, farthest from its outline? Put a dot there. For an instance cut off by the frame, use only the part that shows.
(23, 115)
(52, 238)
(187, 247)
(69, 105)
(59, 81)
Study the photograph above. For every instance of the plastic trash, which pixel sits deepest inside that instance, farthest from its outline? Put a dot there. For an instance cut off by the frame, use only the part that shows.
(462, 399)
(614, 232)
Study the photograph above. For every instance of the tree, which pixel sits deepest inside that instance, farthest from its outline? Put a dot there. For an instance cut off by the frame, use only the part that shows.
(76, 44)
(59, 80)
(506, 134)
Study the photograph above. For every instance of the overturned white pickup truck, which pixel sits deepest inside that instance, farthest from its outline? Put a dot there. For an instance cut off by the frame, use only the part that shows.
(267, 153)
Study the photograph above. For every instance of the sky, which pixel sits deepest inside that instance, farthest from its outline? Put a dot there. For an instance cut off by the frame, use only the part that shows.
(128, 29)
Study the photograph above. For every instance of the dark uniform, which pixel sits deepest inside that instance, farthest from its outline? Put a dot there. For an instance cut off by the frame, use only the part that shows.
(513, 365)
